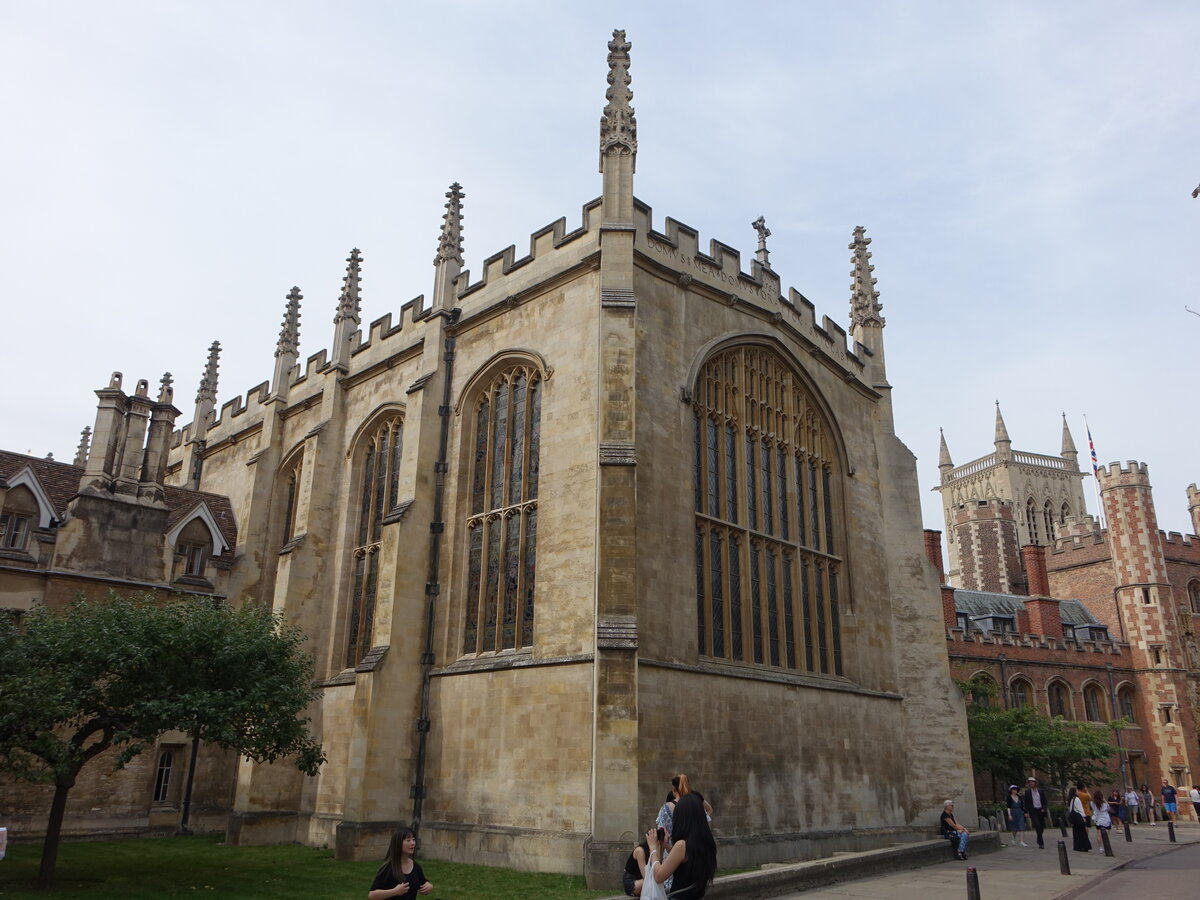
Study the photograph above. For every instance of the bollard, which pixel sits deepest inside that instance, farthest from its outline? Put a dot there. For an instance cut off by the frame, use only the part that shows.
(1106, 842)
(1062, 824)
(1171, 831)
(1064, 864)
(1128, 836)
(972, 883)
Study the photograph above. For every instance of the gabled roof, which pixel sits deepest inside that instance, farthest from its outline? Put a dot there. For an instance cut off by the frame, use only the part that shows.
(985, 603)
(61, 483)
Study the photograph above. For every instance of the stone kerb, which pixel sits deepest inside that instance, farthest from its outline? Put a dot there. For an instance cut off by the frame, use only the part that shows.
(774, 880)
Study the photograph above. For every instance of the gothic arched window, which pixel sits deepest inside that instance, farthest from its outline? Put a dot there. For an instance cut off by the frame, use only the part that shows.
(1048, 517)
(378, 491)
(1093, 703)
(1063, 513)
(291, 490)
(1194, 595)
(502, 526)
(1020, 693)
(767, 488)
(1125, 705)
(1059, 698)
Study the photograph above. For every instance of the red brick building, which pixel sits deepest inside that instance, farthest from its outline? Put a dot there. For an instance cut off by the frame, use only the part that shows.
(1083, 621)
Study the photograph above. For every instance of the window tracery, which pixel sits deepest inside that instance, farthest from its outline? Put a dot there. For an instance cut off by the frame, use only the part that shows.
(766, 484)
(502, 524)
(379, 486)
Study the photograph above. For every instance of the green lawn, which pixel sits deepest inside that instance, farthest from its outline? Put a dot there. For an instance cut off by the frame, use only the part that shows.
(199, 866)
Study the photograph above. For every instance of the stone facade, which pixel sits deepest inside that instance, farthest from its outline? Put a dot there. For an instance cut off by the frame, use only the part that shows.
(611, 510)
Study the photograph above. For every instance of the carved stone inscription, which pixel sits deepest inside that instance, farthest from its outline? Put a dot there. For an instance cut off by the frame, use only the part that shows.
(712, 272)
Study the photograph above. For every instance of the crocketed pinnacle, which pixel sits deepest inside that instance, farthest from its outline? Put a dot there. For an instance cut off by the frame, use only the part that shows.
(289, 334)
(618, 125)
(763, 255)
(166, 393)
(81, 452)
(944, 461)
(1001, 432)
(350, 304)
(864, 299)
(450, 246)
(208, 383)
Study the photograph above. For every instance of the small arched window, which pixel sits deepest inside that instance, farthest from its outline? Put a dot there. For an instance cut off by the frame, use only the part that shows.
(1059, 699)
(1194, 595)
(1020, 693)
(291, 490)
(1031, 519)
(1048, 518)
(1125, 704)
(767, 492)
(162, 777)
(502, 526)
(1093, 703)
(1064, 513)
(984, 691)
(378, 490)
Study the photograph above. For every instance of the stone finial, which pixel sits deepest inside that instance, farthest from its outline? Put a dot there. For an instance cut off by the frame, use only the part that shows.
(864, 299)
(944, 461)
(1068, 442)
(1001, 431)
(166, 393)
(142, 389)
(763, 255)
(289, 333)
(450, 246)
(349, 303)
(81, 452)
(618, 125)
(208, 382)
(114, 383)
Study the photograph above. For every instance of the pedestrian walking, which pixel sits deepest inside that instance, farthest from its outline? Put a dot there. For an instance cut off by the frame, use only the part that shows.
(1036, 807)
(1133, 803)
(1015, 816)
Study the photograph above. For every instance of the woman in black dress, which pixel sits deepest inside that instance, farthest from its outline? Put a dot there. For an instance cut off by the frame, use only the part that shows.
(693, 856)
(400, 875)
(1078, 819)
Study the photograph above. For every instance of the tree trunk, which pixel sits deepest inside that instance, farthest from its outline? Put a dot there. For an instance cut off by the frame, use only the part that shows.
(58, 809)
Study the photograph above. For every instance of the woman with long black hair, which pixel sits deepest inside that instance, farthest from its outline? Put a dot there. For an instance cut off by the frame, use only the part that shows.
(400, 875)
(693, 856)
(1078, 820)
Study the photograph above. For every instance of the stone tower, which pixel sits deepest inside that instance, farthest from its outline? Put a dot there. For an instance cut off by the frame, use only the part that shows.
(1043, 491)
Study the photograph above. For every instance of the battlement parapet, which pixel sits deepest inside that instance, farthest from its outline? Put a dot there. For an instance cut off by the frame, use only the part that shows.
(541, 243)
(1132, 473)
(983, 510)
(718, 270)
(983, 642)
(1175, 537)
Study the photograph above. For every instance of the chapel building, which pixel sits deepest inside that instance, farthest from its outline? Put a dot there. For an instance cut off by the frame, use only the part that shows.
(613, 509)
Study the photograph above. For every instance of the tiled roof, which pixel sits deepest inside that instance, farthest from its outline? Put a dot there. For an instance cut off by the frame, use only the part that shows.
(984, 603)
(61, 482)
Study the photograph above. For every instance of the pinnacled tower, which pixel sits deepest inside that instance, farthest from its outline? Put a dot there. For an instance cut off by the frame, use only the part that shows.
(202, 418)
(1040, 491)
(866, 323)
(349, 313)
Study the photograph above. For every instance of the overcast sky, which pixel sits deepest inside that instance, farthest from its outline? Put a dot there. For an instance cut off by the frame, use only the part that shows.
(171, 169)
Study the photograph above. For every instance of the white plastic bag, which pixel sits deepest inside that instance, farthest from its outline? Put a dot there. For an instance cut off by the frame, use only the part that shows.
(651, 889)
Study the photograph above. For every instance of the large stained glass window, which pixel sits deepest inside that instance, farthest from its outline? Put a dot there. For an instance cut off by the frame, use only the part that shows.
(502, 525)
(379, 485)
(766, 479)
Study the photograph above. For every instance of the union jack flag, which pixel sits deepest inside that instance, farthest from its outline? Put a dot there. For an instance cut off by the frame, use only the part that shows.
(1092, 447)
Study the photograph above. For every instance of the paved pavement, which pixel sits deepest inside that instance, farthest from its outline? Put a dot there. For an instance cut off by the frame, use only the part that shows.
(1024, 872)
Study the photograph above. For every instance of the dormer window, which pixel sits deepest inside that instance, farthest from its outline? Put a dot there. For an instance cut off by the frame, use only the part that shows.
(964, 622)
(192, 548)
(14, 531)
(998, 624)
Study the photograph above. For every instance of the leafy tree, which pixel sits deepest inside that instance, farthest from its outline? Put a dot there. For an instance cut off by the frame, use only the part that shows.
(115, 674)
(1009, 743)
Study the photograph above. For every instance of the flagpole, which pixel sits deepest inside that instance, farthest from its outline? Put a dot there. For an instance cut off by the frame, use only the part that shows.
(1095, 472)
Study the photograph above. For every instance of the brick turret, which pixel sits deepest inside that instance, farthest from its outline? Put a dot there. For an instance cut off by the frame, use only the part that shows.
(1143, 593)
(986, 532)
(1193, 496)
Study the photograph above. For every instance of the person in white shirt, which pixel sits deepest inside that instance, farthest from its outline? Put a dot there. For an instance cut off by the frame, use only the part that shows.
(1194, 796)
(1132, 803)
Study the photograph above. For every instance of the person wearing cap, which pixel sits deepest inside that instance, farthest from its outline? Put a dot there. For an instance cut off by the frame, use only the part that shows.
(1015, 816)
(1036, 807)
